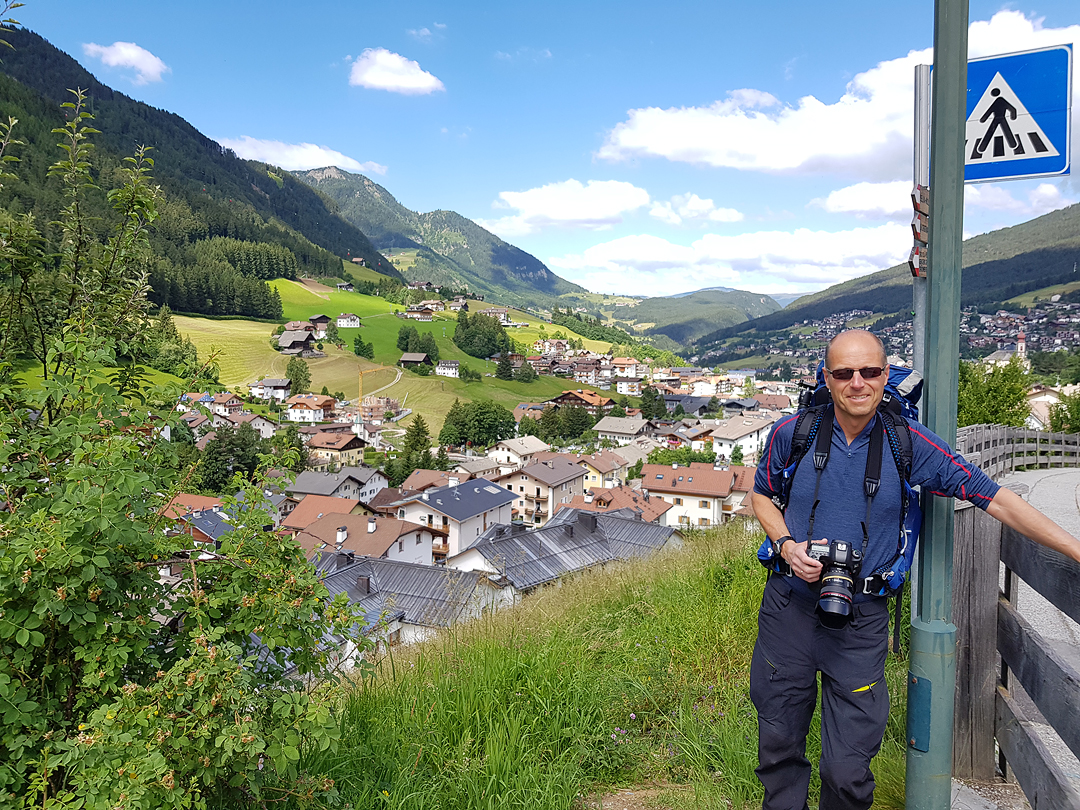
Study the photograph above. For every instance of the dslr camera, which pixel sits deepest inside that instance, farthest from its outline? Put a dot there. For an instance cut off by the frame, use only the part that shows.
(841, 563)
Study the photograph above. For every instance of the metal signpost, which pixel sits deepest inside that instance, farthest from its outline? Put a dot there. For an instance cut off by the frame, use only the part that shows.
(998, 118)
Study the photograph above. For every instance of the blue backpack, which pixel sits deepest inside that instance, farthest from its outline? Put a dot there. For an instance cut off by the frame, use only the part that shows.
(902, 393)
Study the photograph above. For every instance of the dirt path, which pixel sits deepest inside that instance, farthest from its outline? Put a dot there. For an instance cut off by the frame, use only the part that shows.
(315, 288)
(634, 798)
(377, 390)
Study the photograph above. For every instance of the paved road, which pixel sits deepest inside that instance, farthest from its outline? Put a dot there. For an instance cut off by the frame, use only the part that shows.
(1057, 494)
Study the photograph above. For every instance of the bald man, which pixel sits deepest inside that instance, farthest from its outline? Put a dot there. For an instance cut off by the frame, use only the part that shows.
(795, 641)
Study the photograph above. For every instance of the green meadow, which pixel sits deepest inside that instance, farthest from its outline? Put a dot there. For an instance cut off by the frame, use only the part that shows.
(635, 674)
(244, 353)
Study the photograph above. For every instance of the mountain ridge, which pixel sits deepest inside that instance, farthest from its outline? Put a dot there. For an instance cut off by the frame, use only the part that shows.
(451, 249)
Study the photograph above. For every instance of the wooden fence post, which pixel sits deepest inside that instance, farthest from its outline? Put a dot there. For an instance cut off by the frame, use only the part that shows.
(976, 561)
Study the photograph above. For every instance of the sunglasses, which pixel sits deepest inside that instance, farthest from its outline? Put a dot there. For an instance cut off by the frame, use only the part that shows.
(845, 374)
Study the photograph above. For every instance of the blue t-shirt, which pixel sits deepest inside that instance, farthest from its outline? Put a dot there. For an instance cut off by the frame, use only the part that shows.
(841, 500)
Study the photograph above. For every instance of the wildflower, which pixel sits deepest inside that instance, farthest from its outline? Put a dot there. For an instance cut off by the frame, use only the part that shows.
(633, 716)
(613, 736)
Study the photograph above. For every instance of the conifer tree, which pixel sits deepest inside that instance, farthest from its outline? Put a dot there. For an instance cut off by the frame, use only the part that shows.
(505, 369)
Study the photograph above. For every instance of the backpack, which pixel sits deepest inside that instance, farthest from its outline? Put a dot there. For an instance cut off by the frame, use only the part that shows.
(903, 390)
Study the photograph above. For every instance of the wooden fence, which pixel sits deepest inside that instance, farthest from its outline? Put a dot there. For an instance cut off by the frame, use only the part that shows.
(996, 645)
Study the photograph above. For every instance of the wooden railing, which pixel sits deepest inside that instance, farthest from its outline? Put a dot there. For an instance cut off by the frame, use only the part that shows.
(996, 645)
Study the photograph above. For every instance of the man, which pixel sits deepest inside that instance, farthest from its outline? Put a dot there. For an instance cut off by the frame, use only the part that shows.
(793, 644)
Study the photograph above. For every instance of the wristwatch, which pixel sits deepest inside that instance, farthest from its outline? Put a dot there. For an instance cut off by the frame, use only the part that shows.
(779, 544)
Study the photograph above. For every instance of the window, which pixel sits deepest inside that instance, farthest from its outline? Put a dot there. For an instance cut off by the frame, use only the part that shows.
(703, 504)
(703, 521)
(678, 501)
(401, 544)
(401, 513)
(418, 538)
(684, 519)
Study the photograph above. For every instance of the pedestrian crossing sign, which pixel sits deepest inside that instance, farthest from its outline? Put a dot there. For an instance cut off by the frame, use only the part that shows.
(1019, 109)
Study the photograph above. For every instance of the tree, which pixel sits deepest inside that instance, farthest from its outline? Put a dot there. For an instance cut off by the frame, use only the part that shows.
(505, 369)
(363, 349)
(298, 374)
(332, 333)
(749, 390)
(617, 411)
(468, 374)
(992, 395)
(98, 656)
(526, 373)
(652, 403)
(713, 406)
(1065, 415)
(442, 460)
(428, 345)
(480, 423)
(575, 421)
(736, 454)
(417, 436)
(408, 336)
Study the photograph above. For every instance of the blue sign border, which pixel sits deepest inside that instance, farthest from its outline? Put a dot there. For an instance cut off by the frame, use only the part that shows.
(1038, 77)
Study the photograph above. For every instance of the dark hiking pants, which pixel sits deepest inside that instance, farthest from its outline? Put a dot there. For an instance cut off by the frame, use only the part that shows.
(792, 646)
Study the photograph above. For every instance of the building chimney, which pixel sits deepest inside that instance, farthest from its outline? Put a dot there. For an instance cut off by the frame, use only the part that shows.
(371, 525)
(587, 520)
(342, 535)
(675, 466)
(588, 496)
(425, 497)
(517, 527)
(363, 585)
(453, 481)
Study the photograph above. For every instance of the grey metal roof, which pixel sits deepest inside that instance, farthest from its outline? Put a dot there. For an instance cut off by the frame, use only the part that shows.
(429, 595)
(315, 483)
(275, 382)
(463, 501)
(552, 472)
(572, 540)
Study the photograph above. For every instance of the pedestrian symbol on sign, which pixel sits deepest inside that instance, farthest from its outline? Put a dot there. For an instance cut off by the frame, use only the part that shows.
(1001, 129)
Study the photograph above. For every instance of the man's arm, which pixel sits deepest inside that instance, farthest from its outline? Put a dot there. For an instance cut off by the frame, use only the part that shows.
(772, 521)
(1018, 514)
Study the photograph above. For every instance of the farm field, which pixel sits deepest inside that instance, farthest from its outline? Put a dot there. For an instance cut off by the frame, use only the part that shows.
(1028, 298)
(245, 354)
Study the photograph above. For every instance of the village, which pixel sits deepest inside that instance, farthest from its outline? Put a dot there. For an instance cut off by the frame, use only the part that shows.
(491, 524)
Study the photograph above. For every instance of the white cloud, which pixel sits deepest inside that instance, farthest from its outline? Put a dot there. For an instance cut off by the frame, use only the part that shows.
(127, 54)
(765, 261)
(595, 205)
(440, 25)
(866, 132)
(692, 208)
(380, 69)
(870, 200)
(422, 34)
(1042, 199)
(296, 156)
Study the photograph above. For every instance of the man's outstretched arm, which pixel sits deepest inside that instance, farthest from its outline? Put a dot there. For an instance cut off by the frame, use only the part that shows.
(1018, 514)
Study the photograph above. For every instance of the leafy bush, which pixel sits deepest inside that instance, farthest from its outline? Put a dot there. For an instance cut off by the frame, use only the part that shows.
(122, 686)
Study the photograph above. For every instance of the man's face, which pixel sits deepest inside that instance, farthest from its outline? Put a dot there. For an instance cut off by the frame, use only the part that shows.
(856, 397)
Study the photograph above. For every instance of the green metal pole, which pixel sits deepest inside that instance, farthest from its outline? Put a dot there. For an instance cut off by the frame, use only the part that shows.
(932, 679)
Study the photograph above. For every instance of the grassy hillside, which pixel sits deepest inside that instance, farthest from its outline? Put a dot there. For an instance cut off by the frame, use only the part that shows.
(997, 266)
(447, 248)
(245, 354)
(637, 674)
(687, 317)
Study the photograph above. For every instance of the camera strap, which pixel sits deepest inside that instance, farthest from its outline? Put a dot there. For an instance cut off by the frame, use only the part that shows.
(871, 478)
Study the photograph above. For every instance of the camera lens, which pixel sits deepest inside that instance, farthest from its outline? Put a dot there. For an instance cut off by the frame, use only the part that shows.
(837, 590)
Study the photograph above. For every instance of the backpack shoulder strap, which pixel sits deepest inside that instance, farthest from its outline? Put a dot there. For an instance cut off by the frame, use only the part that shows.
(806, 430)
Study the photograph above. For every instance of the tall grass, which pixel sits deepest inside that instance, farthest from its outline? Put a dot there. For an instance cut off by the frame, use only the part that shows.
(639, 673)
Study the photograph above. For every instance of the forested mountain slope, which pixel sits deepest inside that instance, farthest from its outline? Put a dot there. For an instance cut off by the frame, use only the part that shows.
(208, 191)
(997, 266)
(451, 249)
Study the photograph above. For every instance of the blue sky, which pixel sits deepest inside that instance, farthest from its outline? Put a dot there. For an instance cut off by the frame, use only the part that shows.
(634, 148)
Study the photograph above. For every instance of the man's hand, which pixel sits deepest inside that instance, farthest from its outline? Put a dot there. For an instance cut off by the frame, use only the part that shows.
(803, 566)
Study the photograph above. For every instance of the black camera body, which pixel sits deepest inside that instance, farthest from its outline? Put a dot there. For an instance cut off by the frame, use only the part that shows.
(841, 563)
